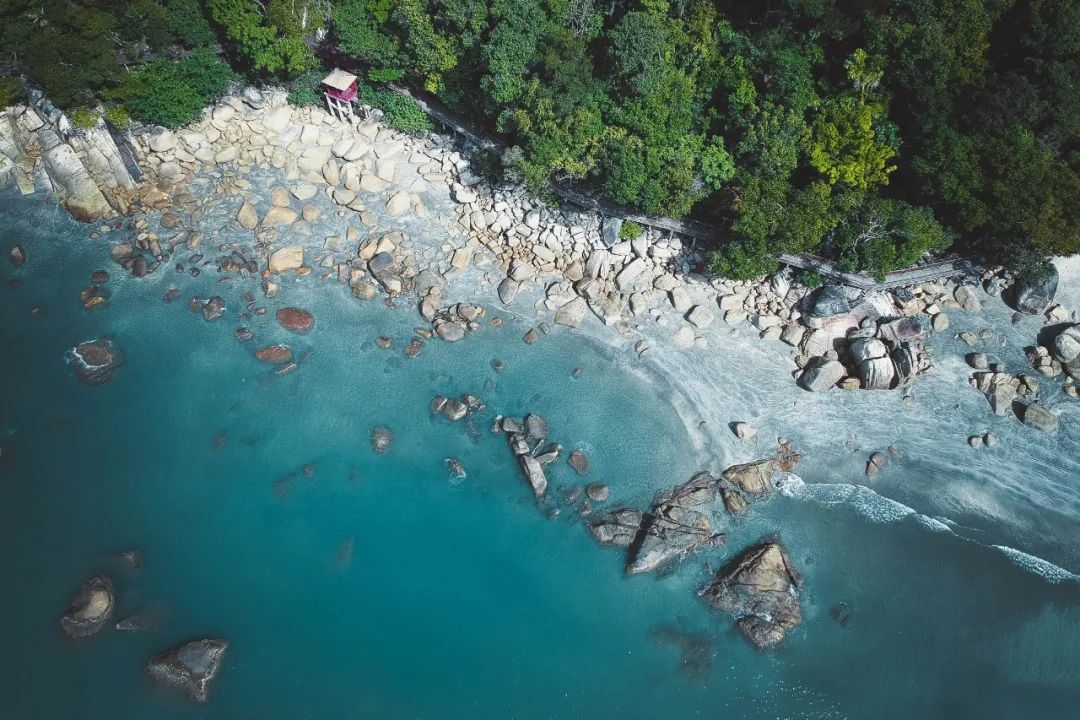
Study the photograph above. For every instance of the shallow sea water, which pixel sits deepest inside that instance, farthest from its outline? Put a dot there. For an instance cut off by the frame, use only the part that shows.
(462, 600)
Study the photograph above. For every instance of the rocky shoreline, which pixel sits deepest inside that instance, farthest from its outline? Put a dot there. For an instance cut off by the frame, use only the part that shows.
(262, 193)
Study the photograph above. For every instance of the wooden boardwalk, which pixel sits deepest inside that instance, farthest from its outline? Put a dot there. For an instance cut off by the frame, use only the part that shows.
(689, 228)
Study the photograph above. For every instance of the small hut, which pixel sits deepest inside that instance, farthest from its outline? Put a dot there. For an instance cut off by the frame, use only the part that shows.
(340, 91)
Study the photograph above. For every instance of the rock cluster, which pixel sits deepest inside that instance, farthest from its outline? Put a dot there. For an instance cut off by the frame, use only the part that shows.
(527, 438)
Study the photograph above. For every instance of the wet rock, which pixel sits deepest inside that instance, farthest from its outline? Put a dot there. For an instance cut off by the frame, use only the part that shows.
(450, 331)
(841, 612)
(1037, 416)
(759, 587)
(17, 256)
(743, 430)
(598, 492)
(876, 462)
(274, 354)
(90, 609)
(295, 320)
(618, 527)
(821, 374)
(534, 474)
(754, 478)
(508, 290)
(190, 668)
(966, 297)
(457, 470)
(213, 308)
(1035, 291)
(243, 334)
(579, 461)
(673, 529)
(381, 438)
(96, 360)
(99, 276)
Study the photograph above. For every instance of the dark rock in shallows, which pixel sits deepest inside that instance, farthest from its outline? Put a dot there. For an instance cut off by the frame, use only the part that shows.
(90, 609)
(191, 667)
(94, 361)
(213, 308)
(598, 492)
(759, 587)
(296, 320)
(17, 255)
(580, 462)
(1035, 292)
(274, 354)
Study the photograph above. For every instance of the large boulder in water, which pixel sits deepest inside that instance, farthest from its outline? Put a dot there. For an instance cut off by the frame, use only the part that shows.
(759, 587)
(191, 667)
(90, 609)
(1067, 349)
(95, 360)
(673, 529)
(1035, 291)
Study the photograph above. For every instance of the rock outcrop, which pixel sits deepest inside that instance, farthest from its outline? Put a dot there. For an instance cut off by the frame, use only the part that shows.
(90, 609)
(190, 668)
(673, 528)
(760, 588)
(83, 168)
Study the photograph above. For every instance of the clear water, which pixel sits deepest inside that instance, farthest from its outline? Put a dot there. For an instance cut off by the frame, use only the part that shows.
(462, 600)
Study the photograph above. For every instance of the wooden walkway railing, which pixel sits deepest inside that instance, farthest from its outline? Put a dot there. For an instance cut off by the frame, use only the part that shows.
(689, 228)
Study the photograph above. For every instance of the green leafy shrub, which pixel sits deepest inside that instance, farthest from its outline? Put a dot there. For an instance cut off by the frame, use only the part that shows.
(174, 93)
(629, 230)
(743, 260)
(809, 279)
(306, 88)
(11, 91)
(84, 118)
(118, 116)
(402, 112)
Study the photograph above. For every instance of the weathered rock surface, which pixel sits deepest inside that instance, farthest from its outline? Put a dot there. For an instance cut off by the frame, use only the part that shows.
(759, 587)
(1037, 416)
(673, 529)
(90, 609)
(274, 354)
(190, 668)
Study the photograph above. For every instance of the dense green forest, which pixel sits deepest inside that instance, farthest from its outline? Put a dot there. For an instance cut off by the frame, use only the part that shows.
(871, 131)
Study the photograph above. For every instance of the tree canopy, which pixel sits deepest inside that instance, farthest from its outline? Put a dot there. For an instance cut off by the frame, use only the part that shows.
(873, 132)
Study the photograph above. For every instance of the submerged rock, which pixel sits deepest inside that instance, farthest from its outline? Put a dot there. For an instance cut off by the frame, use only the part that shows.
(598, 492)
(17, 255)
(213, 308)
(275, 354)
(579, 461)
(90, 609)
(381, 438)
(96, 360)
(759, 587)
(296, 320)
(1037, 416)
(191, 667)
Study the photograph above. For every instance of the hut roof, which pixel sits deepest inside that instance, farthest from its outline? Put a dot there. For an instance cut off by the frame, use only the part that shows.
(339, 80)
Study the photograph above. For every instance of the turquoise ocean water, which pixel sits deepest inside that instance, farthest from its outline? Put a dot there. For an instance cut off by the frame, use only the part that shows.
(459, 599)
